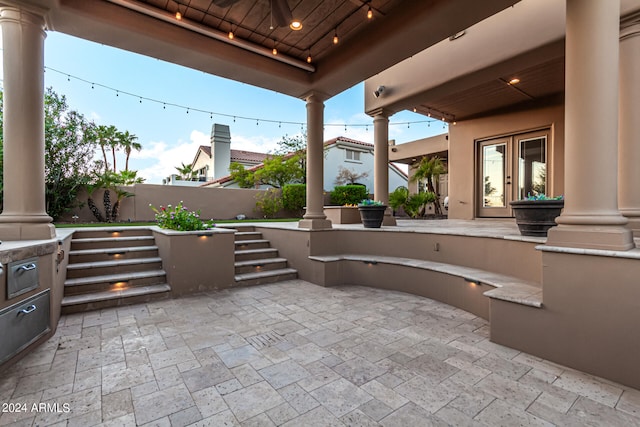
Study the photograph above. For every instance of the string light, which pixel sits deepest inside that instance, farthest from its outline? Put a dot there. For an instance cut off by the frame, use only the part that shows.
(369, 13)
(188, 109)
(335, 37)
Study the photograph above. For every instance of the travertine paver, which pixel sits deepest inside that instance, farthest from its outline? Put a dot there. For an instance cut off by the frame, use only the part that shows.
(345, 356)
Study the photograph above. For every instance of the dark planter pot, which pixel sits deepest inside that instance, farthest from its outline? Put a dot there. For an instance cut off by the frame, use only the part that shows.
(372, 216)
(536, 217)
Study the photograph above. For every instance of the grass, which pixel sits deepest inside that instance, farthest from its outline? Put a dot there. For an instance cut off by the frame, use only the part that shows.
(139, 224)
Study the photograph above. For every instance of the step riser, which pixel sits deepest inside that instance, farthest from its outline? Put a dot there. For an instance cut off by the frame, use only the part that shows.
(107, 257)
(264, 267)
(109, 286)
(100, 271)
(241, 246)
(138, 299)
(238, 227)
(80, 246)
(118, 232)
(254, 256)
(265, 280)
(253, 236)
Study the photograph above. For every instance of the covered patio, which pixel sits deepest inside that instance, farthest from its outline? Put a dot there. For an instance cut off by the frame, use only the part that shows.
(344, 345)
(296, 354)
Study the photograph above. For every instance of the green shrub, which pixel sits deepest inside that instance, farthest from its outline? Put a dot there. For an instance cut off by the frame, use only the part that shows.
(269, 202)
(180, 218)
(294, 197)
(416, 203)
(398, 197)
(348, 194)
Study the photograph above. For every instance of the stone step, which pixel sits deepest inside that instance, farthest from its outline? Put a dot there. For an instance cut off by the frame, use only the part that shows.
(114, 298)
(111, 282)
(110, 242)
(256, 265)
(108, 254)
(99, 232)
(252, 244)
(99, 268)
(248, 235)
(238, 227)
(262, 277)
(251, 254)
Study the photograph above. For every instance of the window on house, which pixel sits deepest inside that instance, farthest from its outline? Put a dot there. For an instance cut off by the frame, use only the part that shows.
(353, 155)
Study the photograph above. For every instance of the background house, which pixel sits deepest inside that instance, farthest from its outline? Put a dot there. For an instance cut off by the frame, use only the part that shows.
(212, 163)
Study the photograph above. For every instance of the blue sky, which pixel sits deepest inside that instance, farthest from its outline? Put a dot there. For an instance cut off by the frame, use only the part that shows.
(170, 136)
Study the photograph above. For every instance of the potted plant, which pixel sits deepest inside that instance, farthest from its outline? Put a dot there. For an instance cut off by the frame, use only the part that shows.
(536, 214)
(371, 213)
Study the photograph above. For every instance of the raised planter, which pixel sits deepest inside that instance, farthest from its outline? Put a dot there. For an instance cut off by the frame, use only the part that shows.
(536, 217)
(372, 215)
(342, 214)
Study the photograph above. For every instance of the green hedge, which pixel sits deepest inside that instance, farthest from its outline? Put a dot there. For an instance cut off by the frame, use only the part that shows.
(294, 197)
(348, 194)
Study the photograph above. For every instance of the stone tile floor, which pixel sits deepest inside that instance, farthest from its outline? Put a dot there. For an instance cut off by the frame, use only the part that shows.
(296, 354)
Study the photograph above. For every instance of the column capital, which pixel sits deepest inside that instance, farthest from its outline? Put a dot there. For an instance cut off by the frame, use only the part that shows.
(315, 96)
(380, 112)
(630, 26)
(26, 14)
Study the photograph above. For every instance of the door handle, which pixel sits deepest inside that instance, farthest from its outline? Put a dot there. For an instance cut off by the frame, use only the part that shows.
(27, 310)
(27, 267)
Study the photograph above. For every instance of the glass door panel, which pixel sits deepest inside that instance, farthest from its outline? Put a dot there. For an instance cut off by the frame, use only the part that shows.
(532, 166)
(494, 179)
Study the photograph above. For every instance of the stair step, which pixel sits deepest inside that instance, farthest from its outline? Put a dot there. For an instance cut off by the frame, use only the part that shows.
(110, 242)
(270, 276)
(252, 244)
(247, 235)
(251, 254)
(99, 300)
(266, 264)
(237, 227)
(99, 268)
(99, 232)
(111, 278)
(112, 263)
(107, 254)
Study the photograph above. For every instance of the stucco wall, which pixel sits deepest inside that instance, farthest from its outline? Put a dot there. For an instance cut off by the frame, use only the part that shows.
(217, 203)
(462, 152)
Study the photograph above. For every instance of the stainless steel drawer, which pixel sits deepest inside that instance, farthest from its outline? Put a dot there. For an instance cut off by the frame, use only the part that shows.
(23, 323)
(22, 276)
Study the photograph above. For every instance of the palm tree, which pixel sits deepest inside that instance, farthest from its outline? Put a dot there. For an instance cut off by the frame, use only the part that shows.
(186, 172)
(105, 135)
(129, 142)
(430, 168)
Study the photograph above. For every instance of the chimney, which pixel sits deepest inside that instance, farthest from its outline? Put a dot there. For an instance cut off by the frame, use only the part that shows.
(220, 150)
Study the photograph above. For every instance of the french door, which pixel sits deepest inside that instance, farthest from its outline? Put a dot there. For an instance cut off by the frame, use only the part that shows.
(510, 168)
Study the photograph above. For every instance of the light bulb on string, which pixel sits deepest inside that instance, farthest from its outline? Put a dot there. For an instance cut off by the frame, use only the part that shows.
(369, 13)
(335, 37)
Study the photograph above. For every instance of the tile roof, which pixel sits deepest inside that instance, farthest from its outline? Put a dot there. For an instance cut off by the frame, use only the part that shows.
(247, 156)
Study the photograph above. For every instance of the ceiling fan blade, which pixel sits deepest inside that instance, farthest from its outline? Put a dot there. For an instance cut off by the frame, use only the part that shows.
(281, 12)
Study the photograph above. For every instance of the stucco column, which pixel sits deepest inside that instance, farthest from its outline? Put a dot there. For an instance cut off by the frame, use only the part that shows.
(314, 218)
(629, 132)
(381, 162)
(24, 216)
(591, 218)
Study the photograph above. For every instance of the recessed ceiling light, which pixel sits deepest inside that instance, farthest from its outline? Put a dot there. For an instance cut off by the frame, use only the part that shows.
(295, 25)
(514, 81)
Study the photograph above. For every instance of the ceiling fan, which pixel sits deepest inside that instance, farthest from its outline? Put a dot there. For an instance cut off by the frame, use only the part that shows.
(280, 10)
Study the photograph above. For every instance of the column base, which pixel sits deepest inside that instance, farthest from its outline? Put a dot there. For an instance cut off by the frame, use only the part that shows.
(27, 231)
(613, 237)
(314, 223)
(389, 219)
(634, 225)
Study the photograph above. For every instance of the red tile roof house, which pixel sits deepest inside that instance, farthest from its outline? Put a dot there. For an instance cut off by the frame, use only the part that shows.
(339, 152)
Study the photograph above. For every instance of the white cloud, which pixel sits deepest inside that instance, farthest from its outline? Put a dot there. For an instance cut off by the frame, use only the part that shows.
(165, 158)
(258, 144)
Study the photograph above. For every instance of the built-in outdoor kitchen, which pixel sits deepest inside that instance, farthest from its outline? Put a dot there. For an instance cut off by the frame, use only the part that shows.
(31, 273)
